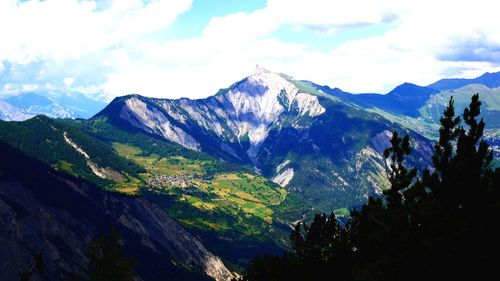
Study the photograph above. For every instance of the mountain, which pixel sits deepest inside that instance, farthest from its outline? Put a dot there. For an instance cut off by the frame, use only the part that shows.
(233, 123)
(326, 151)
(12, 113)
(236, 170)
(419, 108)
(234, 211)
(52, 104)
(59, 214)
(405, 99)
(490, 109)
(490, 99)
(490, 80)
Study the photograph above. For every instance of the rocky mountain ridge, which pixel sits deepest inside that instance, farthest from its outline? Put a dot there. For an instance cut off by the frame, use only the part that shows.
(269, 120)
(53, 104)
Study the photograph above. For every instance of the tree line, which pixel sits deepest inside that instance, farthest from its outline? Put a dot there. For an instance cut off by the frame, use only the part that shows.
(441, 224)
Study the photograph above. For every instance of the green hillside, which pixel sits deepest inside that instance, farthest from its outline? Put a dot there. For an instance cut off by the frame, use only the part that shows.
(490, 110)
(219, 201)
(47, 140)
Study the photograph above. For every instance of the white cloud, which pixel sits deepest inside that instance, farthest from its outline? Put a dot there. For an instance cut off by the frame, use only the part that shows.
(416, 48)
(68, 81)
(29, 87)
(331, 14)
(228, 49)
(63, 29)
(426, 40)
(57, 33)
(411, 51)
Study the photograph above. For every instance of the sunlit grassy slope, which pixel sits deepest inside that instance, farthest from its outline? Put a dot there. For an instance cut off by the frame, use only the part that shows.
(235, 212)
(240, 194)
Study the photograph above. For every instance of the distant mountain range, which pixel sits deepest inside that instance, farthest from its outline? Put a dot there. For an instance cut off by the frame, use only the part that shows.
(490, 80)
(12, 113)
(239, 168)
(52, 104)
(419, 107)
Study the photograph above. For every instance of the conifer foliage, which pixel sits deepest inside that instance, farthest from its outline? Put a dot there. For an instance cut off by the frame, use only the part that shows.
(440, 225)
(108, 261)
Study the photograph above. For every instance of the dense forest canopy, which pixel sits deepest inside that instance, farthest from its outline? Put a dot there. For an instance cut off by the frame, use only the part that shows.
(441, 224)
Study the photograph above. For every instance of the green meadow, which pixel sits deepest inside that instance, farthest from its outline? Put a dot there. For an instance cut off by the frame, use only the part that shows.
(241, 195)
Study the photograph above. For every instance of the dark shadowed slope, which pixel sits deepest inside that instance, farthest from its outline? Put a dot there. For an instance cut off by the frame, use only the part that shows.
(44, 209)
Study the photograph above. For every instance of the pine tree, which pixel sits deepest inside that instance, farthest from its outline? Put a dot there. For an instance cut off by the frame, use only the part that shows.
(383, 228)
(36, 267)
(448, 218)
(399, 176)
(441, 226)
(108, 261)
(448, 134)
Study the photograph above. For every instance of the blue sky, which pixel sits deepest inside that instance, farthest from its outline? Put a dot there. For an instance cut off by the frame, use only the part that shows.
(191, 48)
(191, 23)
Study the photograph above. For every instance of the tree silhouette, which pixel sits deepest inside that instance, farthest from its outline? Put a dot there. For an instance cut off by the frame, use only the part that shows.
(107, 260)
(399, 176)
(36, 267)
(441, 225)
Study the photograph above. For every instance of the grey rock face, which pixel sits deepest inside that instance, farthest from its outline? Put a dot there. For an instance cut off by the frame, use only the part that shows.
(41, 209)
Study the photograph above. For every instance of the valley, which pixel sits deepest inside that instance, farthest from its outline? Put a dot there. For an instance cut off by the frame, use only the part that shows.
(189, 181)
(232, 140)
(239, 169)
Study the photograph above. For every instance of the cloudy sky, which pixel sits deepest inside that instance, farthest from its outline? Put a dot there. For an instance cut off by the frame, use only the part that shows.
(191, 48)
